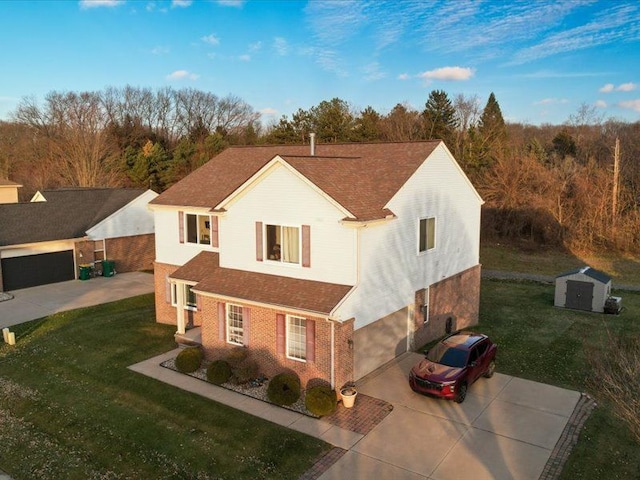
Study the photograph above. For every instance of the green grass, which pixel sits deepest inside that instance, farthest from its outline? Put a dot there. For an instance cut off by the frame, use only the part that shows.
(543, 343)
(70, 408)
(624, 269)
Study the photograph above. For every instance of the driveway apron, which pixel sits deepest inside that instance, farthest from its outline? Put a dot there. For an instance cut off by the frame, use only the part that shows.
(506, 429)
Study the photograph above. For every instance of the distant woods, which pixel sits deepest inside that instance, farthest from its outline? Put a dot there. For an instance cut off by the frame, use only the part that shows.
(543, 185)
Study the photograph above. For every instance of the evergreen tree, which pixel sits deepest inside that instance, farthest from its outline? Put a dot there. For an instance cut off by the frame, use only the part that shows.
(440, 119)
(491, 135)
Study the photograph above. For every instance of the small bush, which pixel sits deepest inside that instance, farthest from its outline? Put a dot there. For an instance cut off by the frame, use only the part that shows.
(321, 400)
(284, 389)
(219, 372)
(189, 360)
(244, 372)
(237, 356)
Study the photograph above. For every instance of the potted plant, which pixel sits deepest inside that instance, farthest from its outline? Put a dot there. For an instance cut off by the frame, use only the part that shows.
(348, 394)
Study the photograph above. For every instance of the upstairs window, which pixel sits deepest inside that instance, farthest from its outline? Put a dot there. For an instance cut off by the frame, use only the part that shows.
(282, 243)
(427, 234)
(198, 229)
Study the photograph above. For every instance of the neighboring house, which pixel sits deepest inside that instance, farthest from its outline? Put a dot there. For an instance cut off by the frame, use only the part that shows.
(45, 240)
(327, 260)
(8, 191)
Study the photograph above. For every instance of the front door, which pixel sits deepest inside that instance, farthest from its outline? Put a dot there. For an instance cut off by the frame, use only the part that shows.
(579, 295)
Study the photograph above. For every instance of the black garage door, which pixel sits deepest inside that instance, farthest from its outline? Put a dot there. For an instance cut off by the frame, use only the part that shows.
(32, 270)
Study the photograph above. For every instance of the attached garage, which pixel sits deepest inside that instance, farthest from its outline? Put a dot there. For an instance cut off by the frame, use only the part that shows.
(380, 342)
(32, 270)
(582, 289)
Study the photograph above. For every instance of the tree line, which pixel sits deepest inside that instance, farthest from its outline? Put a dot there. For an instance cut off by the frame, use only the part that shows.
(543, 185)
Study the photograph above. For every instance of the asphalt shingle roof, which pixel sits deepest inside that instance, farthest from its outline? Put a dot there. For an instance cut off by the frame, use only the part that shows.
(286, 292)
(67, 213)
(589, 272)
(362, 177)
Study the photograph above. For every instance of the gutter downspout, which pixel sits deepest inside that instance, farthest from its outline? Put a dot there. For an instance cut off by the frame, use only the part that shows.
(340, 303)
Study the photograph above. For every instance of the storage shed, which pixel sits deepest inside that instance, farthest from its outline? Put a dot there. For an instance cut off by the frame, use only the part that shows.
(583, 289)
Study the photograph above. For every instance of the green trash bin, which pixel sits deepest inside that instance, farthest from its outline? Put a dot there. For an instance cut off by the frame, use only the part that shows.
(108, 268)
(85, 272)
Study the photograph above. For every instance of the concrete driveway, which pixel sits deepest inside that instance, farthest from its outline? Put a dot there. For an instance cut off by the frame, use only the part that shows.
(505, 429)
(37, 302)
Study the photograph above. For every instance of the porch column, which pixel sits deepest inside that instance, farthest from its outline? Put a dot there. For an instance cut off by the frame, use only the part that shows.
(180, 308)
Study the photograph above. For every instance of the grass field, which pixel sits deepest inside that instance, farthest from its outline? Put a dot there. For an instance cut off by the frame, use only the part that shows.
(70, 409)
(624, 269)
(547, 344)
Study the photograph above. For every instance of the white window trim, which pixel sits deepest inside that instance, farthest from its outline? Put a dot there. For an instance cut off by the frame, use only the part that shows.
(186, 229)
(435, 235)
(287, 339)
(265, 246)
(174, 297)
(227, 324)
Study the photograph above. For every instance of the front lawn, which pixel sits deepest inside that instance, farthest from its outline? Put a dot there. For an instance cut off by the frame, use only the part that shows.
(70, 408)
(547, 344)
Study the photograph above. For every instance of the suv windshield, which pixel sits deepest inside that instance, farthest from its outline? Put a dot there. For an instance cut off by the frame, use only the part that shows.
(449, 356)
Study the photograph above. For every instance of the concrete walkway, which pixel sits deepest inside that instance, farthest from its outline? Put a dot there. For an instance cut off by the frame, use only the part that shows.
(37, 302)
(506, 429)
(332, 434)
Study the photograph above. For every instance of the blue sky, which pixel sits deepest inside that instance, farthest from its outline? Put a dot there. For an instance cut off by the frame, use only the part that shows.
(542, 59)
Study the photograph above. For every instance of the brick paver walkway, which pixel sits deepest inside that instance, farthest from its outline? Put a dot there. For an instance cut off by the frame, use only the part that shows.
(366, 413)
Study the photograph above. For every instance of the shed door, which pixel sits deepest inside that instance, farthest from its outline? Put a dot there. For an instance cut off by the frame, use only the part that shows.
(579, 295)
(32, 270)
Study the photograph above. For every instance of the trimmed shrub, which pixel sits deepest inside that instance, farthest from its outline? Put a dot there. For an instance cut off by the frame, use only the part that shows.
(219, 372)
(245, 372)
(284, 389)
(237, 356)
(321, 400)
(189, 360)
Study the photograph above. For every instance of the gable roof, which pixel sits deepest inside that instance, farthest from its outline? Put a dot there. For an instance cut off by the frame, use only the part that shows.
(589, 272)
(361, 177)
(275, 290)
(8, 183)
(67, 213)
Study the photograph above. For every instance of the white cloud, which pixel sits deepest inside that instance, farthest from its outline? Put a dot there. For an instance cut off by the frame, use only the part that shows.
(182, 75)
(281, 46)
(181, 3)
(551, 101)
(607, 88)
(600, 104)
(403, 76)
(231, 3)
(245, 58)
(160, 50)
(631, 104)
(373, 72)
(211, 39)
(448, 73)
(254, 47)
(627, 87)
(100, 3)
(269, 111)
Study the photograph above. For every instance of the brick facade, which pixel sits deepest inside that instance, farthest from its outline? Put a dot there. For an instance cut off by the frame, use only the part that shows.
(455, 300)
(132, 253)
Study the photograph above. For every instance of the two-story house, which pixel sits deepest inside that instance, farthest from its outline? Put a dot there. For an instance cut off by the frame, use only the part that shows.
(327, 260)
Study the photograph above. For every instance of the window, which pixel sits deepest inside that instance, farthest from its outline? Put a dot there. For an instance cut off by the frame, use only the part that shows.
(190, 300)
(235, 331)
(198, 229)
(296, 338)
(427, 234)
(283, 243)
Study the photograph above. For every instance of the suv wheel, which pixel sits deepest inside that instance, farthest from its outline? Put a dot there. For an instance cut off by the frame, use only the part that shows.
(491, 370)
(462, 393)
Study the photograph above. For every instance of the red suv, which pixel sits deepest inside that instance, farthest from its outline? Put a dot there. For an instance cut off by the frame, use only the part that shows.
(453, 364)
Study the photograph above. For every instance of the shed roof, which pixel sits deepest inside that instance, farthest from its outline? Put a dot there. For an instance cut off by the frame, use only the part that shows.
(8, 183)
(590, 272)
(285, 292)
(66, 213)
(361, 177)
